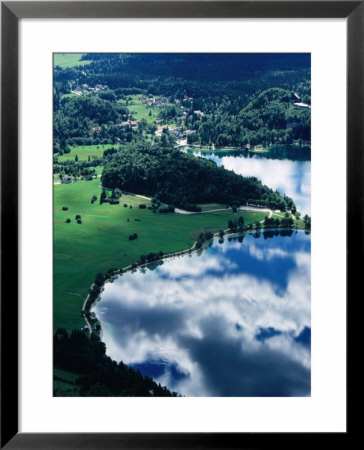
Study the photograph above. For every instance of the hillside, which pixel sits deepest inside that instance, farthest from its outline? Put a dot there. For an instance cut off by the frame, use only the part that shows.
(273, 112)
(184, 180)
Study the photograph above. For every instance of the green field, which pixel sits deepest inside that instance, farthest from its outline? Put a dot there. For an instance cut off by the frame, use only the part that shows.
(69, 95)
(68, 60)
(84, 151)
(140, 110)
(102, 240)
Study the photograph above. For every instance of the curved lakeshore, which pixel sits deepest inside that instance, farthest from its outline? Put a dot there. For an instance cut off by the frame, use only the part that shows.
(138, 304)
(93, 296)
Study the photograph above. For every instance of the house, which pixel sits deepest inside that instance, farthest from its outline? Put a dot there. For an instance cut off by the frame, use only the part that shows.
(295, 98)
(133, 123)
(101, 87)
(174, 131)
(179, 134)
(300, 105)
(96, 129)
(123, 125)
(66, 179)
(198, 113)
(189, 132)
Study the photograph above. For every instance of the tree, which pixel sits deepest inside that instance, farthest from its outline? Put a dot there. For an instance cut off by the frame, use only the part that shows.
(307, 221)
(103, 197)
(99, 279)
(117, 193)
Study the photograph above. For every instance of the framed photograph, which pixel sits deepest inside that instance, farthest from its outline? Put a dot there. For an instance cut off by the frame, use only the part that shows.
(162, 285)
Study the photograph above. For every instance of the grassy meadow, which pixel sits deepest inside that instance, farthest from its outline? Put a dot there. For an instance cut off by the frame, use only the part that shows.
(68, 60)
(102, 240)
(85, 151)
(140, 110)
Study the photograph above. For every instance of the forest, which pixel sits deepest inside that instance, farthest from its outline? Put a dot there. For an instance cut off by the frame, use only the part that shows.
(183, 180)
(99, 375)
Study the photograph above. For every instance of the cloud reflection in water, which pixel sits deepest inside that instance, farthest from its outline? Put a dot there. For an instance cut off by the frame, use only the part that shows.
(292, 178)
(234, 321)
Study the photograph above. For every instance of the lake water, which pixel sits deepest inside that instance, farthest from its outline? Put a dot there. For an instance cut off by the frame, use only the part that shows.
(292, 178)
(232, 320)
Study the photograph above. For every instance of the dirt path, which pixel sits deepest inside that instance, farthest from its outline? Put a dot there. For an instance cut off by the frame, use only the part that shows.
(241, 208)
(254, 208)
(84, 309)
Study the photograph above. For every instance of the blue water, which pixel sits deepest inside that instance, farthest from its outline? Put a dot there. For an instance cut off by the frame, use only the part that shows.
(292, 178)
(232, 320)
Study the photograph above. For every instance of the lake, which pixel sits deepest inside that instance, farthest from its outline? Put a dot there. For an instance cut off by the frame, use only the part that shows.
(231, 320)
(289, 177)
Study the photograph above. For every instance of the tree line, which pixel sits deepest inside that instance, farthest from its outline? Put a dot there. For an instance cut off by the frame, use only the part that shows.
(185, 181)
(99, 374)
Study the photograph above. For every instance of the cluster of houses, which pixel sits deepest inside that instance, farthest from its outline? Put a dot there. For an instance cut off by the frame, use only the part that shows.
(86, 89)
(129, 124)
(181, 134)
(160, 102)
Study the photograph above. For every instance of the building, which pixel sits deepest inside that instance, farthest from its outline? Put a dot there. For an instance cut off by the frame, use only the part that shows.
(198, 113)
(66, 179)
(300, 105)
(123, 125)
(295, 98)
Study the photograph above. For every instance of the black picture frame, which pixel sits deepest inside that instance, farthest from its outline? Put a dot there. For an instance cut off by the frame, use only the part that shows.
(11, 12)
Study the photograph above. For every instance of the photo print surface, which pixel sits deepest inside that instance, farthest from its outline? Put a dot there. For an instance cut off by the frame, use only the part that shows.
(182, 224)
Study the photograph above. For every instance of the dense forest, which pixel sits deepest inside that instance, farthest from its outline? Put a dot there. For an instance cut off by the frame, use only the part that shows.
(99, 374)
(183, 180)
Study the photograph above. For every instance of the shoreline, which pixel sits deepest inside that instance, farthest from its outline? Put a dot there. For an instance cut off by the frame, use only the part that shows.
(87, 308)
